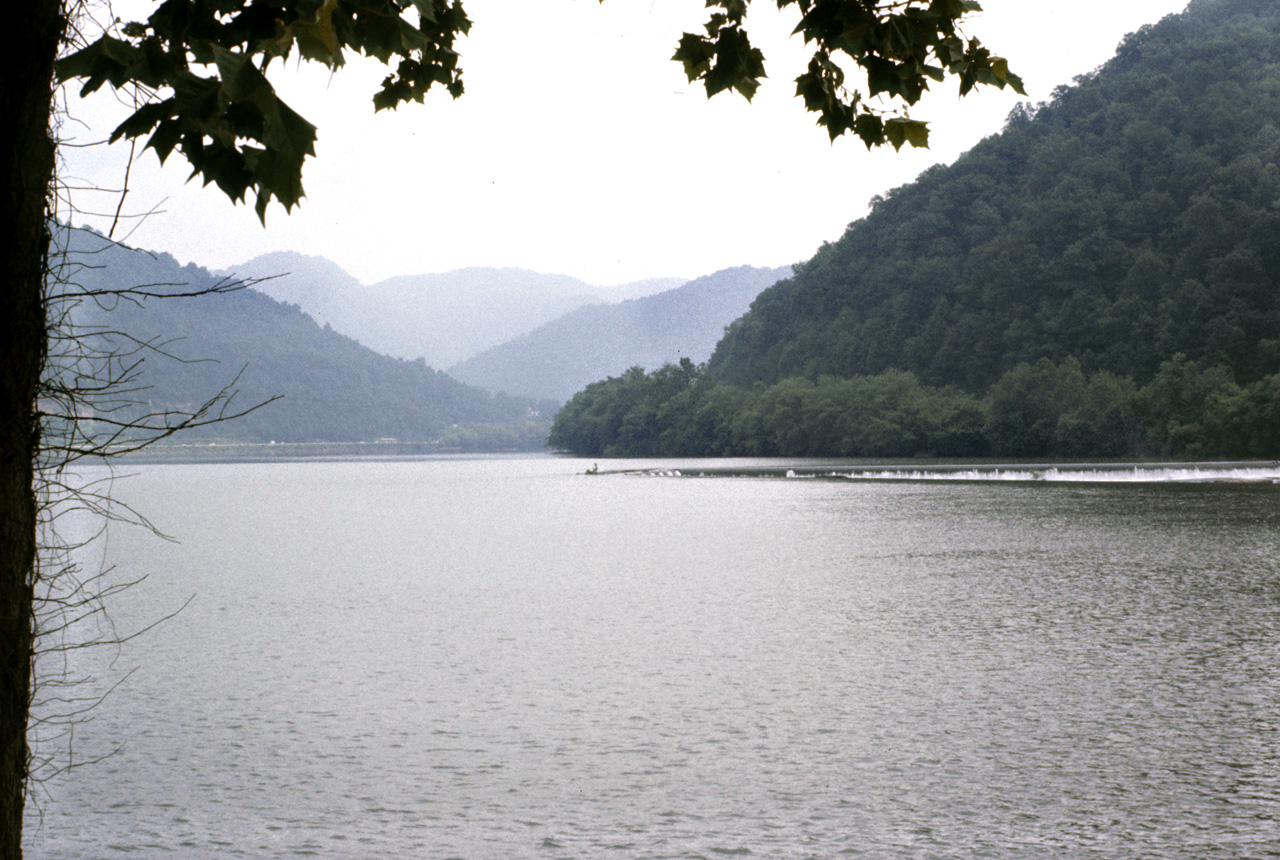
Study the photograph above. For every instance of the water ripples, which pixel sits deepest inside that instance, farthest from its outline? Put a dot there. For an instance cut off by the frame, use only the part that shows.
(504, 659)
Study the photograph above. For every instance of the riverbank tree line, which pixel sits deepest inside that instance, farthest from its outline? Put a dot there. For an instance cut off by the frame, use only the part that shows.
(1041, 409)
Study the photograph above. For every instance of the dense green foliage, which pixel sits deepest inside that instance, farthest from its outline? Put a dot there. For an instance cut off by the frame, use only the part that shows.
(331, 388)
(1034, 410)
(199, 70)
(1133, 217)
(897, 47)
(1100, 279)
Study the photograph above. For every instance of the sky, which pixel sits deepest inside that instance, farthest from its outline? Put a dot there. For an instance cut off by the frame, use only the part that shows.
(578, 148)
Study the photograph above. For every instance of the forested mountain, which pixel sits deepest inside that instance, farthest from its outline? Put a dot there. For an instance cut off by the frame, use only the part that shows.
(318, 286)
(442, 318)
(331, 387)
(1132, 217)
(1101, 277)
(558, 358)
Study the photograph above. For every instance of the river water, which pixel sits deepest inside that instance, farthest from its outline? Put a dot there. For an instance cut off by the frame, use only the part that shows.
(507, 658)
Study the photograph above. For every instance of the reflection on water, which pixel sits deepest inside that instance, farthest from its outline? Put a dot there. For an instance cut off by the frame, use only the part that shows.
(503, 658)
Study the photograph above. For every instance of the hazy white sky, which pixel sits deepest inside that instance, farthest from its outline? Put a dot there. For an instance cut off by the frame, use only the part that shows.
(580, 149)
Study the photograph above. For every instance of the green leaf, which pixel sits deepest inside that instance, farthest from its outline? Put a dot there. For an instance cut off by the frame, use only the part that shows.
(240, 78)
(426, 9)
(737, 65)
(695, 52)
(143, 120)
(316, 37)
(954, 9)
(809, 87)
(276, 175)
(296, 134)
(900, 130)
(392, 94)
(106, 60)
(870, 129)
(380, 35)
(882, 76)
(167, 135)
(226, 167)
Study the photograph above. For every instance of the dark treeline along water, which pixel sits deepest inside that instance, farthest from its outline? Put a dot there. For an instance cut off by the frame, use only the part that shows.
(505, 658)
(1040, 410)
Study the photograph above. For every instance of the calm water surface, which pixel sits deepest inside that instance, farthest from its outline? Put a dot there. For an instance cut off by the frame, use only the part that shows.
(506, 658)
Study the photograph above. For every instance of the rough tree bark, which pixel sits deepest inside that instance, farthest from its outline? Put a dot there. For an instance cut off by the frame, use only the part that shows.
(26, 170)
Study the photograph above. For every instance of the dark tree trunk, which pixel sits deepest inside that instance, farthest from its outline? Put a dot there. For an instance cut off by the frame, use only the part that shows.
(26, 169)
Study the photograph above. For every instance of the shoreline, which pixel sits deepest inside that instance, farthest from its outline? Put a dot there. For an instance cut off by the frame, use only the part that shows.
(284, 452)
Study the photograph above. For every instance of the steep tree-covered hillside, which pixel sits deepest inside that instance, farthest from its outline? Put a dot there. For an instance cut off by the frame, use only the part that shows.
(560, 357)
(331, 388)
(1134, 217)
(319, 286)
(1102, 278)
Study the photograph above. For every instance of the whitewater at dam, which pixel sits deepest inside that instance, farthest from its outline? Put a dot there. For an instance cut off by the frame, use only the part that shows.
(1115, 473)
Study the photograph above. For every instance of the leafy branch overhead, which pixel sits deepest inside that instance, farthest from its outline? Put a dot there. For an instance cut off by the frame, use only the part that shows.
(200, 66)
(899, 47)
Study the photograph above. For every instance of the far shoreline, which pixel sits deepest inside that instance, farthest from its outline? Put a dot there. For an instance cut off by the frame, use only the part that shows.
(230, 452)
(286, 452)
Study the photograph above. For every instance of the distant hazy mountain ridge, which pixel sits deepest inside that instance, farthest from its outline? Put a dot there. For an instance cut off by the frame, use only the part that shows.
(560, 357)
(443, 318)
(333, 389)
